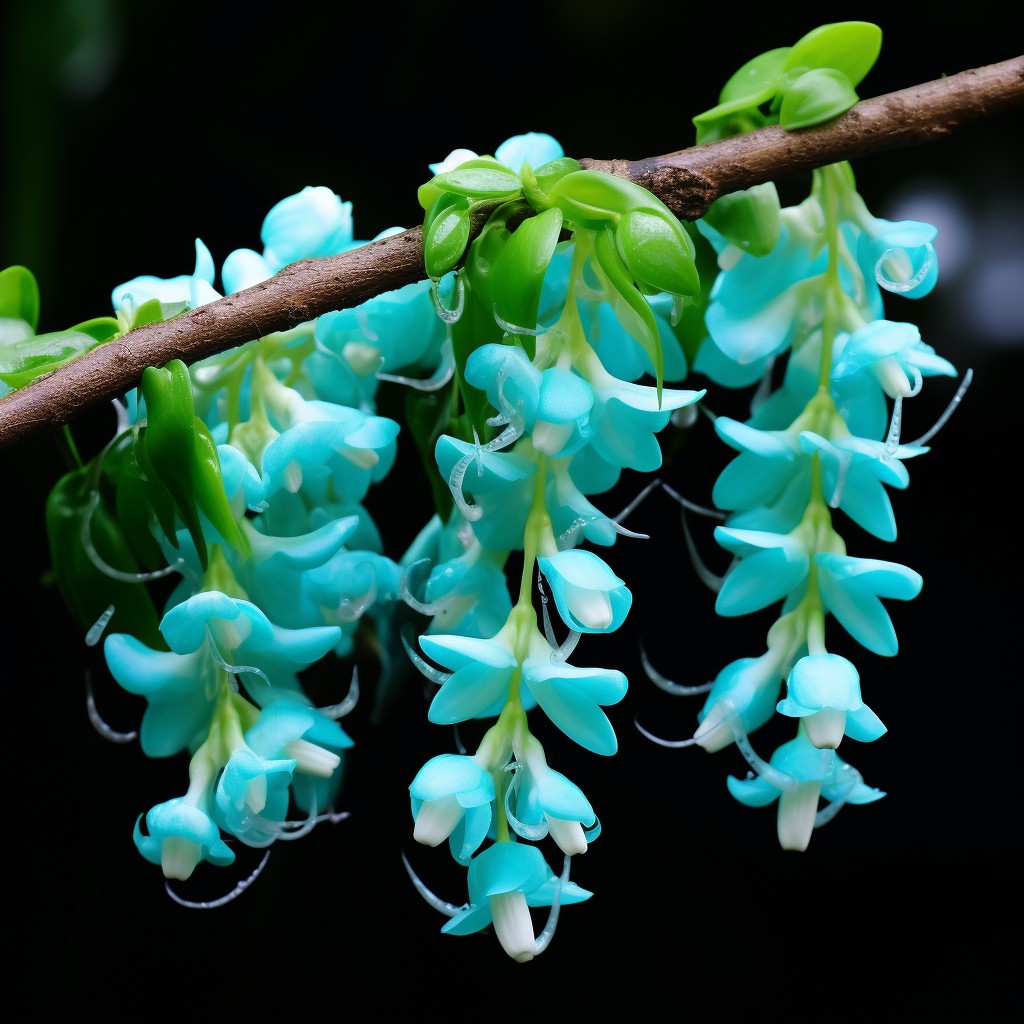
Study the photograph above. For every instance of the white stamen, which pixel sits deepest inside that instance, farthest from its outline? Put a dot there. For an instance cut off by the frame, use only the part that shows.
(545, 937)
(513, 925)
(343, 707)
(671, 744)
(179, 857)
(568, 835)
(436, 820)
(797, 809)
(954, 402)
(312, 759)
(826, 728)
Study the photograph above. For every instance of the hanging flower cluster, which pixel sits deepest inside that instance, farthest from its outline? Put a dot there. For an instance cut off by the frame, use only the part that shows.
(805, 285)
(221, 546)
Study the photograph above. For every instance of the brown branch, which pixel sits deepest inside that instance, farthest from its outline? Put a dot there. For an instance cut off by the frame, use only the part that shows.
(687, 182)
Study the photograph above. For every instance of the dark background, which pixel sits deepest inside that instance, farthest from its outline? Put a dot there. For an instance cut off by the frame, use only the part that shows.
(132, 128)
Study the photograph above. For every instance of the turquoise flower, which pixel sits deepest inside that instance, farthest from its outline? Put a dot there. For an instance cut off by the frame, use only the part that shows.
(468, 595)
(186, 290)
(753, 305)
(800, 774)
(533, 148)
(289, 727)
(499, 486)
(547, 803)
(481, 671)
(887, 355)
(589, 597)
(899, 256)
(180, 835)
(626, 418)
(767, 567)
(571, 697)
(744, 691)
(397, 331)
(824, 691)
(855, 473)
(330, 451)
(620, 353)
(451, 799)
(253, 795)
(312, 223)
(505, 880)
(851, 589)
(204, 631)
(553, 405)
(770, 463)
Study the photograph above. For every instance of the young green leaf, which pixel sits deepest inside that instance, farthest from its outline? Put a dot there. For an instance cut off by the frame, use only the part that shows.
(19, 295)
(518, 273)
(850, 47)
(815, 97)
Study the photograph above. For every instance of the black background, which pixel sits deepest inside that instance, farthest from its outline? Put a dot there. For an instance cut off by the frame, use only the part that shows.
(179, 120)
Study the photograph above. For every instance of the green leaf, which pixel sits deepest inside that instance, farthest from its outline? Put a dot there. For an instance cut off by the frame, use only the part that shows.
(518, 274)
(630, 307)
(445, 234)
(749, 84)
(658, 252)
(750, 219)
(490, 181)
(170, 440)
(815, 97)
(537, 184)
(150, 312)
(427, 418)
(21, 362)
(593, 199)
(209, 490)
(88, 591)
(850, 47)
(19, 295)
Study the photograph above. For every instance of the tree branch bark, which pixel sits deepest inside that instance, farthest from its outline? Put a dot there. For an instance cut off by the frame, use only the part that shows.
(687, 181)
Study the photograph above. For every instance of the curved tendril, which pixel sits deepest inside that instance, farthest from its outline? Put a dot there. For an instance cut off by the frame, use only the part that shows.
(567, 646)
(844, 461)
(321, 349)
(121, 412)
(770, 774)
(234, 670)
(549, 632)
(711, 580)
(234, 894)
(534, 833)
(545, 937)
(953, 403)
(457, 736)
(677, 689)
(892, 440)
(692, 506)
(449, 316)
(108, 570)
(455, 478)
(834, 807)
(899, 287)
(437, 380)
(435, 675)
(344, 706)
(632, 507)
(405, 591)
(446, 908)
(764, 387)
(512, 433)
(511, 328)
(92, 638)
(671, 744)
(98, 724)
